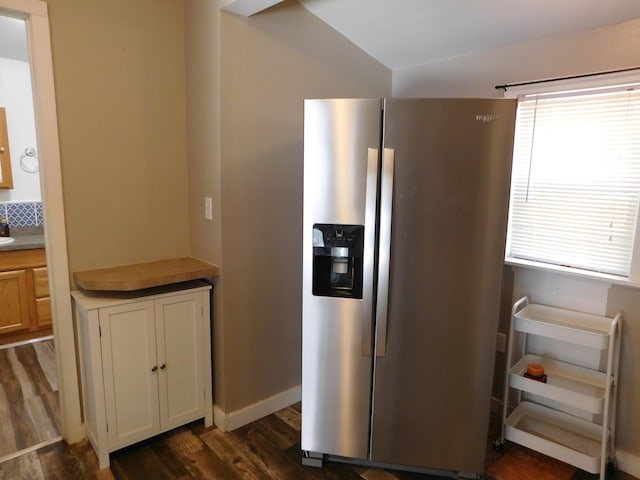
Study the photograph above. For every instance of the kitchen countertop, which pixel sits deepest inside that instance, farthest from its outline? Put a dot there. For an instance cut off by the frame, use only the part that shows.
(26, 238)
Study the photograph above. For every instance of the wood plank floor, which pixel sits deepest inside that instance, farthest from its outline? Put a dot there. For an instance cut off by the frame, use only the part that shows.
(29, 411)
(266, 449)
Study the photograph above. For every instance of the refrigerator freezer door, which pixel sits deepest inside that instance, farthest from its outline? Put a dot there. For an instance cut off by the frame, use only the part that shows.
(341, 145)
(450, 202)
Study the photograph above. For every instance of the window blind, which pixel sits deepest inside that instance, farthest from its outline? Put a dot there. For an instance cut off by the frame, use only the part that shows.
(576, 180)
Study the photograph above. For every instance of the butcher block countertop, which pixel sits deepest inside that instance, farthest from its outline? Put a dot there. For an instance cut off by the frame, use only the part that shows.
(145, 275)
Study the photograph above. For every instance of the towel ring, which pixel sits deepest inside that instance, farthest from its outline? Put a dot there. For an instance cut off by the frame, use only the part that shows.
(29, 160)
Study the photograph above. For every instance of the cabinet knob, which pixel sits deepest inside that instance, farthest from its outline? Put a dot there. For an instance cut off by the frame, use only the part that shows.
(155, 368)
(1, 149)
(163, 366)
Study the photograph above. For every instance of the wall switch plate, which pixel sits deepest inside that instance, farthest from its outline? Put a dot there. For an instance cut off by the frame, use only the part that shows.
(501, 343)
(208, 208)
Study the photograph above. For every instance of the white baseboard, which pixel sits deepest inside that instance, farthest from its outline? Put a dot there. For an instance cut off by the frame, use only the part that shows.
(628, 463)
(74, 433)
(232, 420)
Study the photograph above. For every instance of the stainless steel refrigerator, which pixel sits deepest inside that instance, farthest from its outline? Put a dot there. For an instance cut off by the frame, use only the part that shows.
(405, 218)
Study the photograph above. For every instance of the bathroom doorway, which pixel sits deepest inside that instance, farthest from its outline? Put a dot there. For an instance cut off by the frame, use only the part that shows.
(21, 216)
(35, 15)
(28, 373)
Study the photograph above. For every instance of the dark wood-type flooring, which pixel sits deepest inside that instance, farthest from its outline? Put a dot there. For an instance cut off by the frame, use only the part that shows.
(29, 411)
(266, 449)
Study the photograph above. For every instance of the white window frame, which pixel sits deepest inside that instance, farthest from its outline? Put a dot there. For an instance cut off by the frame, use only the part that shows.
(565, 85)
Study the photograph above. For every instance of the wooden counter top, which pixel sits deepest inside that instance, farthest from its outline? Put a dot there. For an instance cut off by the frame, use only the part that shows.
(145, 275)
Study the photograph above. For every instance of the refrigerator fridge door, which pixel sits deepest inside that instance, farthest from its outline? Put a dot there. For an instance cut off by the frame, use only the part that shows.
(432, 383)
(341, 154)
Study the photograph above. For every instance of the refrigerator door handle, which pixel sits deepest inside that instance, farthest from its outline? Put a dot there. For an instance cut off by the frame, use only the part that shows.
(384, 253)
(369, 249)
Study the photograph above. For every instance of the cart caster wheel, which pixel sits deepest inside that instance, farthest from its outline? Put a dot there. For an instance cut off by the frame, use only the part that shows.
(497, 445)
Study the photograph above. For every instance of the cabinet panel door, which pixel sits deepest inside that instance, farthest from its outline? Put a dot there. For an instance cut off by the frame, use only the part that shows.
(43, 312)
(130, 379)
(41, 282)
(14, 301)
(43, 302)
(179, 335)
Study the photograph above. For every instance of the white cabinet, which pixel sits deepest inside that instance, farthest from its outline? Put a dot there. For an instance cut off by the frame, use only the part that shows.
(571, 415)
(145, 362)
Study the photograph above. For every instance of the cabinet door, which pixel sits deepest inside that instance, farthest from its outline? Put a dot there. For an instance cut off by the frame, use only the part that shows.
(130, 372)
(179, 336)
(14, 301)
(43, 303)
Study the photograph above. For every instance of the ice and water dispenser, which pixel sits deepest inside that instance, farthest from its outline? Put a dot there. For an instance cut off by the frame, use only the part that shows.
(337, 260)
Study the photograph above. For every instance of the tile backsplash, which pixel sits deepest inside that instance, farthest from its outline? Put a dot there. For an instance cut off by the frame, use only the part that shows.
(22, 214)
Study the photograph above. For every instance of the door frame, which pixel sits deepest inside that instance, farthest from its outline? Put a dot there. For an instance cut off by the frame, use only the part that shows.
(35, 13)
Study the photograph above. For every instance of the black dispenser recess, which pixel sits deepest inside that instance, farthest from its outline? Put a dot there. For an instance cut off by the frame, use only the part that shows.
(337, 260)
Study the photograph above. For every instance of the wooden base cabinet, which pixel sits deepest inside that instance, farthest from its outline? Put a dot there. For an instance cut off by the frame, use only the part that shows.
(145, 363)
(25, 308)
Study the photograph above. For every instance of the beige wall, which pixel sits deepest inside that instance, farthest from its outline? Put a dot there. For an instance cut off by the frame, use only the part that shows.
(202, 55)
(139, 154)
(270, 63)
(120, 88)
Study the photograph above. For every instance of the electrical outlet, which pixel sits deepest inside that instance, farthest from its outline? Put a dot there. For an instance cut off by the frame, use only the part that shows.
(501, 343)
(208, 208)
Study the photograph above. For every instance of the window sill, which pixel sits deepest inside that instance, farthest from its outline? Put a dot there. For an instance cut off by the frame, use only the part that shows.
(574, 272)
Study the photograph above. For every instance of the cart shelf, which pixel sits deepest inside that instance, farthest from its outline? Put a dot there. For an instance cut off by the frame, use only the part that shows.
(569, 384)
(556, 434)
(573, 327)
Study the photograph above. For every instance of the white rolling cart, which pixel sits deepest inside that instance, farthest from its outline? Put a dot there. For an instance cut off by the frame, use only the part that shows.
(571, 416)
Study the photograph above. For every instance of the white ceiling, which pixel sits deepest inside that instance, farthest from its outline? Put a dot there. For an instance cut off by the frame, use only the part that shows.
(404, 33)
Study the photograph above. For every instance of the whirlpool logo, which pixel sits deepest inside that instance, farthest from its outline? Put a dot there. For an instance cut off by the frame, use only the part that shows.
(486, 118)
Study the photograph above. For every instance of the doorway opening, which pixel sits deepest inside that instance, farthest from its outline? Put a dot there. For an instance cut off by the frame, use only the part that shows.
(28, 373)
(35, 15)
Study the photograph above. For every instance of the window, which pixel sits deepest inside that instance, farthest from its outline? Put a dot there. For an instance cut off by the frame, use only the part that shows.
(576, 179)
